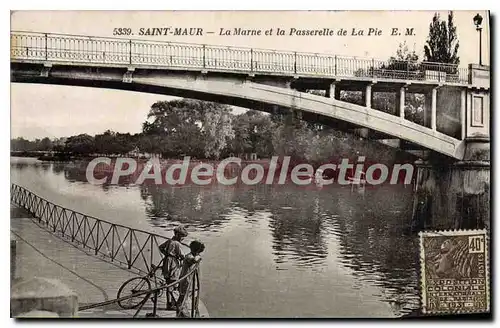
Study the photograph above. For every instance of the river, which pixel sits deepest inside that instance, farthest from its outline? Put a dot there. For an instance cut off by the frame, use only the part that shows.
(271, 251)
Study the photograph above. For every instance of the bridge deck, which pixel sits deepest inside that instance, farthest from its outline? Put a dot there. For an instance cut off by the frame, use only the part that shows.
(71, 49)
(42, 254)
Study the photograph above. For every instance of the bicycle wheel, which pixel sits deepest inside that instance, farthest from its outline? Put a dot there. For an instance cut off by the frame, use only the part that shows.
(132, 286)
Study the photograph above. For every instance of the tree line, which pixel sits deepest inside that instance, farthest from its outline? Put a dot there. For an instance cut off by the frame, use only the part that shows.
(207, 130)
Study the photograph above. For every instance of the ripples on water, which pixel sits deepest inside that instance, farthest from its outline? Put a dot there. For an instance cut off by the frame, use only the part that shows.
(329, 234)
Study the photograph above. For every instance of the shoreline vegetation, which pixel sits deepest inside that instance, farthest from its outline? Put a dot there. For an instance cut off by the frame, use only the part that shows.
(207, 131)
(125, 170)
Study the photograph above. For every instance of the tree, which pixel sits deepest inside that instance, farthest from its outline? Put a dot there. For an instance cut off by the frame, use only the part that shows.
(241, 142)
(80, 144)
(106, 143)
(253, 133)
(20, 144)
(45, 144)
(176, 125)
(404, 60)
(442, 42)
(403, 53)
(217, 128)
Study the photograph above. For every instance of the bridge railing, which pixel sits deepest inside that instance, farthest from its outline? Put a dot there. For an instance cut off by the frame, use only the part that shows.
(130, 248)
(134, 249)
(99, 50)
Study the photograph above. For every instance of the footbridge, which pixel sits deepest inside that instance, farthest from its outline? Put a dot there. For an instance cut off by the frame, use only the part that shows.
(456, 98)
(451, 139)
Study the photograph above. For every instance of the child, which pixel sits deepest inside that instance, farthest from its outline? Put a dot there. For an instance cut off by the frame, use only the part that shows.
(185, 286)
(172, 261)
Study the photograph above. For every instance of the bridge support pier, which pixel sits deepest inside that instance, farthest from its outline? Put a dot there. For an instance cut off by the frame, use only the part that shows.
(367, 96)
(400, 101)
(330, 91)
(433, 108)
(454, 195)
(333, 91)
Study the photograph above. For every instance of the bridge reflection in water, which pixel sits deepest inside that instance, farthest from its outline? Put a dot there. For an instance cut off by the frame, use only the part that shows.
(283, 235)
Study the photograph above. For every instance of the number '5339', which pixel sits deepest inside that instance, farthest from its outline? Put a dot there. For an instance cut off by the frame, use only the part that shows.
(122, 31)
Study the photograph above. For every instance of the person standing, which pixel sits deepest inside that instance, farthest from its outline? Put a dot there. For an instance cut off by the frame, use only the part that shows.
(185, 302)
(172, 262)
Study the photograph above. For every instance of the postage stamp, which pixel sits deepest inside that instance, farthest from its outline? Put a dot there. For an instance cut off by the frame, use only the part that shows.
(454, 271)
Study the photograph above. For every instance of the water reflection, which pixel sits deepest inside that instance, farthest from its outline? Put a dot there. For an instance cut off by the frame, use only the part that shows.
(310, 229)
(58, 168)
(194, 206)
(374, 244)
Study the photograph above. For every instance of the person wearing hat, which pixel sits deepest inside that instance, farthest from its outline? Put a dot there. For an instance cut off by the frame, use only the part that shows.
(185, 301)
(172, 262)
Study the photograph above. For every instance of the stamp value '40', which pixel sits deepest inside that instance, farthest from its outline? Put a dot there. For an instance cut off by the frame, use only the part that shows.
(454, 271)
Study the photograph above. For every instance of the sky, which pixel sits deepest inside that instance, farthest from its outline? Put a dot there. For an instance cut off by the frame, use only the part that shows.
(57, 111)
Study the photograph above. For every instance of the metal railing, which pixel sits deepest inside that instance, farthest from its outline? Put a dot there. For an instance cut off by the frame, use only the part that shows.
(99, 50)
(133, 249)
(130, 248)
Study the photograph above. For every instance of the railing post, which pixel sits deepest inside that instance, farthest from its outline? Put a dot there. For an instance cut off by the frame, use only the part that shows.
(335, 63)
(373, 67)
(295, 62)
(129, 260)
(112, 242)
(251, 60)
(46, 52)
(84, 232)
(204, 65)
(151, 251)
(97, 237)
(73, 229)
(130, 52)
(55, 223)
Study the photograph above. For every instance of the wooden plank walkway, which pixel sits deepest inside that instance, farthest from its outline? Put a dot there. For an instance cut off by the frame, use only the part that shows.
(42, 254)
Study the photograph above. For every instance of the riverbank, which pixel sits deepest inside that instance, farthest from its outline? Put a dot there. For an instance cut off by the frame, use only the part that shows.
(40, 253)
(44, 156)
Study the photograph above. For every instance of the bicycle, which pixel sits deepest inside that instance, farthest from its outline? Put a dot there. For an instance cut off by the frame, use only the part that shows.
(140, 284)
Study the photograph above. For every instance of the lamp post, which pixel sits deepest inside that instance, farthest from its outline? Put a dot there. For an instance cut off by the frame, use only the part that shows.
(478, 19)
